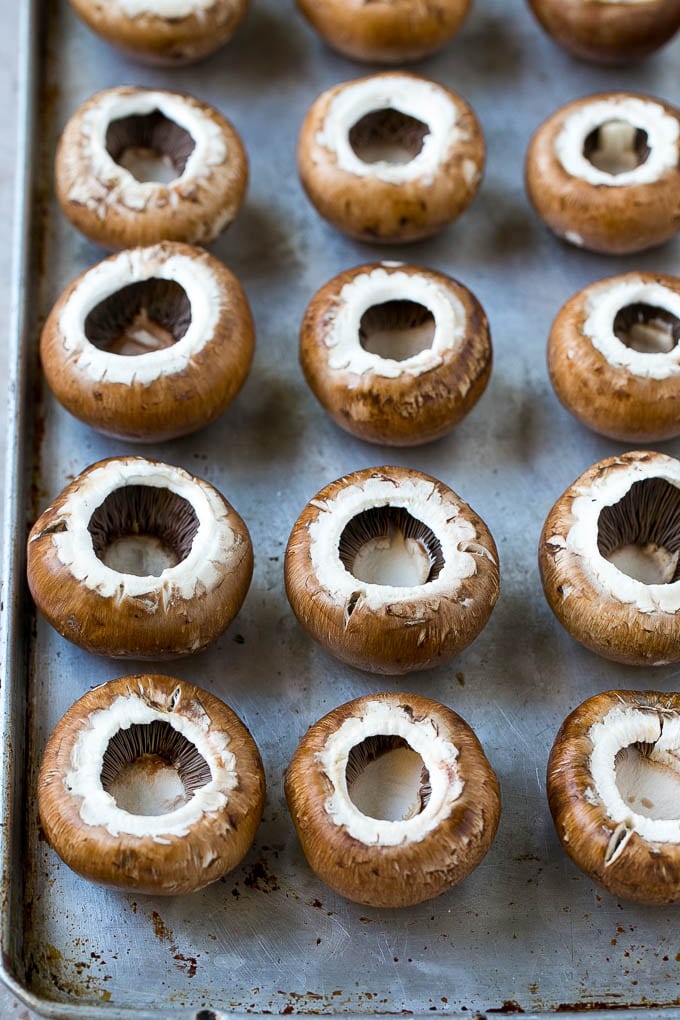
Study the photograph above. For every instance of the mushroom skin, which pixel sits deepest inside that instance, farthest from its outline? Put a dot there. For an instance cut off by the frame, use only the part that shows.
(179, 851)
(116, 612)
(621, 392)
(110, 206)
(605, 609)
(379, 200)
(618, 847)
(169, 33)
(612, 213)
(608, 31)
(385, 31)
(162, 393)
(391, 628)
(382, 399)
(384, 863)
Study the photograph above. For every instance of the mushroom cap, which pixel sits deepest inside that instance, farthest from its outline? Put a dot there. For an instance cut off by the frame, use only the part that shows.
(626, 847)
(614, 389)
(385, 31)
(391, 628)
(393, 863)
(383, 399)
(613, 213)
(107, 203)
(609, 611)
(165, 32)
(113, 608)
(609, 31)
(376, 199)
(178, 851)
(164, 392)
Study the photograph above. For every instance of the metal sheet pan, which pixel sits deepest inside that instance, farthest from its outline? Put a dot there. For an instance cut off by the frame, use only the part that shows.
(526, 932)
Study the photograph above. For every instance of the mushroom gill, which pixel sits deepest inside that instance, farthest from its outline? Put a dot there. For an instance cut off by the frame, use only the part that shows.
(387, 779)
(640, 534)
(150, 146)
(397, 329)
(145, 316)
(143, 530)
(386, 545)
(647, 329)
(616, 147)
(388, 136)
(648, 781)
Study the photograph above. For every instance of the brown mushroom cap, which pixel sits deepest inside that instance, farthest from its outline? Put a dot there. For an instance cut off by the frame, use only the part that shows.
(602, 172)
(395, 354)
(172, 33)
(614, 360)
(392, 157)
(609, 32)
(175, 748)
(394, 862)
(102, 180)
(136, 558)
(609, 554)
(390, 571)
(163, 353)
(385, 31)
(614, 792)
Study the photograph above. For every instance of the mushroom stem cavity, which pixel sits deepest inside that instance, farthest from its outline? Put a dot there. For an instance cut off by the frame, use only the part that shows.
(649, 782)
(397, 330)
(150, 146)
(145, 316)
(387, 779)
(152, 769)
(143, 530)
(387, 546)
(388, 136)
(616, 147)
(640, 534)
(647, 328)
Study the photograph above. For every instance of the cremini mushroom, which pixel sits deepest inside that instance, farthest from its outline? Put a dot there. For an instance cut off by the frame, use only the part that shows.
(393, 157)
(166, 32)
(614, 792)
(136, 558)
(136, 166)
(150, 344)
(614, 357)
(390, 571)
(385, 31)
(603, 174)
(395, 354)
(151, 785)
(393, 799)
(609, 556)
(609, 31)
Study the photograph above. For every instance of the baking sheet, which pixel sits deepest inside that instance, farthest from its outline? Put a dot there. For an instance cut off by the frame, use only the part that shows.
(526, 932)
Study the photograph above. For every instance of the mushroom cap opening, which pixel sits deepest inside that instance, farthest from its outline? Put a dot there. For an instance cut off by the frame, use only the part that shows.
(616, 147)
(143, 530)
(640, 534)
(397, 329)
(388, 136)
(150, 146)
(648, 781)
(385, 545)
(144, 316)
(386, 779)
(647, 328)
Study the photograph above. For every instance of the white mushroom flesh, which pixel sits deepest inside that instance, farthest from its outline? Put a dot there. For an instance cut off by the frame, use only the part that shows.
(148, 787)
(393, 560)
(147, 165)
(169, 9)
(389, 787)
(141, 555)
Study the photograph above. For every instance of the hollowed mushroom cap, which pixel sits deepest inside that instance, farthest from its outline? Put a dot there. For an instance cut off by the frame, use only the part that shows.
(374, 858)
(151, 785)
(393, 157)
(609, 31)
(106, 201)
(390, 571)
(150, 344)
(609, 556)
(385, 31)
(139, 559)
(165, 32)
(395, 354)
(614, 358)
(602, 172)
(614, 792)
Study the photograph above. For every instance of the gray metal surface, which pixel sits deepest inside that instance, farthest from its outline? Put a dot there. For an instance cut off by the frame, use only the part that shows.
(526, 932)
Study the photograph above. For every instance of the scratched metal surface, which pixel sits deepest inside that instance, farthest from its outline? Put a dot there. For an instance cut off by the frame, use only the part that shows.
(526, 932)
